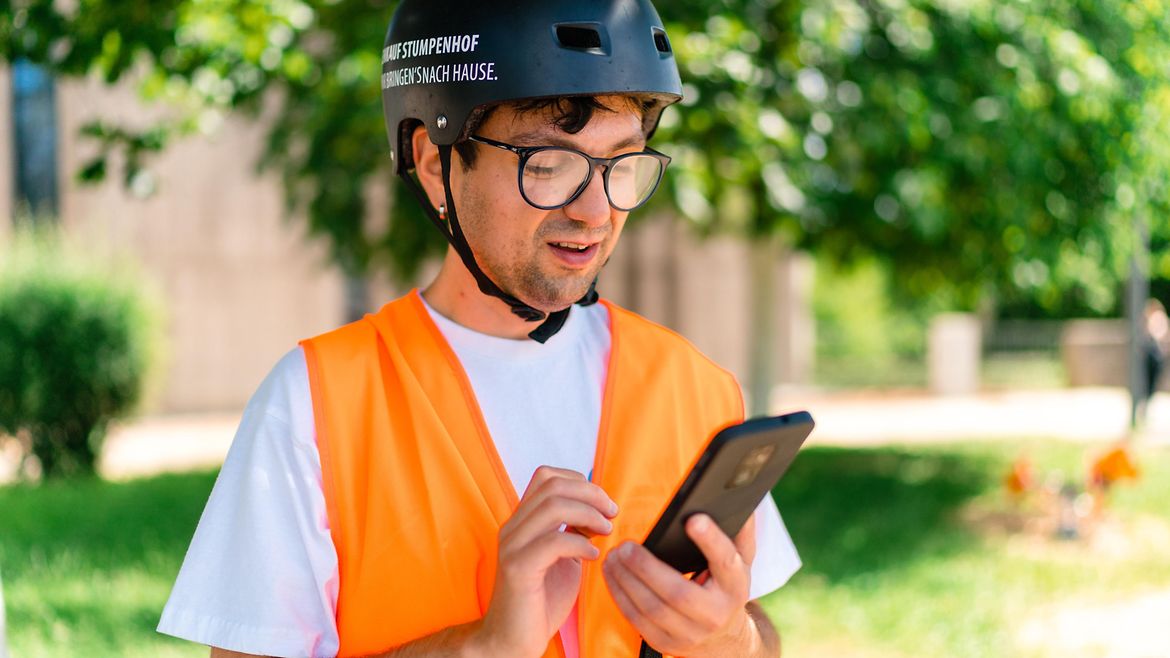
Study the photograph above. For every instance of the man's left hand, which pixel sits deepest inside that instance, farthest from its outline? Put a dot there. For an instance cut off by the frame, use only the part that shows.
(703, 618)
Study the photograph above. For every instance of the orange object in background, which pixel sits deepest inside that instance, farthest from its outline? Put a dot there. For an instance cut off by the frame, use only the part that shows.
(1112, 467)
(1019, 480)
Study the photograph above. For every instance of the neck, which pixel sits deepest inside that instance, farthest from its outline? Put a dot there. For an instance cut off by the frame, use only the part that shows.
(455, 295)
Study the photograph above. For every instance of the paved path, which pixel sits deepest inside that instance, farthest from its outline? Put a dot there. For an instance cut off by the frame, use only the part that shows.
(1084, 415)
(179, 442)
(1133, 628)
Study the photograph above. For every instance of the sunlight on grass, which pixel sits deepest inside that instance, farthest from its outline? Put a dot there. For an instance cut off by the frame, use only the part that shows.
(926, 581)
(88, 565)
(908, 552)
(1023, 370)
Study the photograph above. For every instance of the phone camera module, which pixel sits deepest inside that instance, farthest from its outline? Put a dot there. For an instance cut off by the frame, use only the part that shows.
(751, 466)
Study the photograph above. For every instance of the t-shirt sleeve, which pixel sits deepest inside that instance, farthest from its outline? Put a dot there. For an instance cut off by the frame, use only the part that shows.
(260, 575)
(776, 557)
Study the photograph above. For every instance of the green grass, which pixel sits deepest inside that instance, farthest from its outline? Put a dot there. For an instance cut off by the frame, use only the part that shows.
(1016, 370)
(999, 371)
(893, 564)
(87, 565)
(897, 562)
(850, 373)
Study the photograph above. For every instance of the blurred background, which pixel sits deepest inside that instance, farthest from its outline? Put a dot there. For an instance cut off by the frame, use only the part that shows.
(942, 227)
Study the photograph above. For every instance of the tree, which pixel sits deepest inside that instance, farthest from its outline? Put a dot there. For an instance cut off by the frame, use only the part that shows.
(313, 67)
(1029, 132)
(976, 148)
(981, 149)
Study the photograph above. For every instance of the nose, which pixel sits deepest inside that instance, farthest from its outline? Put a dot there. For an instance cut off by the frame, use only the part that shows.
(592, 206)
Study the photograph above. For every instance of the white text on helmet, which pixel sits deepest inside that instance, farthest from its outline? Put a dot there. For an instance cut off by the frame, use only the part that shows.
(457, 43)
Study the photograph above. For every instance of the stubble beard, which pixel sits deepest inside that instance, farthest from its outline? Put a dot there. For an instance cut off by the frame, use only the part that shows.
(551, 293)
(548, 290)
(518, 270)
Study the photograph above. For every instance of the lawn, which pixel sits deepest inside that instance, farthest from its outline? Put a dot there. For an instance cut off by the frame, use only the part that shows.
(87, 566)
(998, 371)
(907, 552)
(919, 552)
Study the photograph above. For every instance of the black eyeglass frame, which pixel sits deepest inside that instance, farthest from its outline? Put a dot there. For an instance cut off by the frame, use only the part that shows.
(526, 152)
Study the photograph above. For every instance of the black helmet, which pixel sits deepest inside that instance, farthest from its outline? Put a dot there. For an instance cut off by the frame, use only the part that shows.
(444, 60)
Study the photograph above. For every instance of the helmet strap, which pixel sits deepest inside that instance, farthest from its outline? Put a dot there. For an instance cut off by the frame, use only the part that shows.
(451, 229)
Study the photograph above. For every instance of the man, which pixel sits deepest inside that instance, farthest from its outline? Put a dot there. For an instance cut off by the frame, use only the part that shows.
(468, 472)
(1155, 338)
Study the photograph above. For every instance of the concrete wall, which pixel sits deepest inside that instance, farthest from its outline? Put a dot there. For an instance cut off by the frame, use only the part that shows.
(701, 289)
(241, 284)
(1096, 352)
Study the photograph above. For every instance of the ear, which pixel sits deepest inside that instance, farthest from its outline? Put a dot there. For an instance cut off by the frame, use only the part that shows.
(428, 166)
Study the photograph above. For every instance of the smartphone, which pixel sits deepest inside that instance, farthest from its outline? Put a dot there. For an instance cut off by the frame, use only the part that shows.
(739, 466)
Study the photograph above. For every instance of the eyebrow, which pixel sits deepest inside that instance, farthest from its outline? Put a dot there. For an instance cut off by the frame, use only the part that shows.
(541, 138)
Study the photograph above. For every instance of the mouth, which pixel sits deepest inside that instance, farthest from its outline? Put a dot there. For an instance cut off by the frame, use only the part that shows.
(573, 246)
(574, 254)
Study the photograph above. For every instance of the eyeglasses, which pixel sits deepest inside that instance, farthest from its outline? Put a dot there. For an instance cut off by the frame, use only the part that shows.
(552, 177)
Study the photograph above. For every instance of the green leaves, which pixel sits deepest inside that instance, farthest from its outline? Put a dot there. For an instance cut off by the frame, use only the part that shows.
(136, 147)
(77, 337)
(972, 146)
(965, 144)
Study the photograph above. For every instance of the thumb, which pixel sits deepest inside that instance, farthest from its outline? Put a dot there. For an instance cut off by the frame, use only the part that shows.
(745, 540)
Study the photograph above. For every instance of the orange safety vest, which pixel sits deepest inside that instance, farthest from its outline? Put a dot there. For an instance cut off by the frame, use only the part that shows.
(416, 493)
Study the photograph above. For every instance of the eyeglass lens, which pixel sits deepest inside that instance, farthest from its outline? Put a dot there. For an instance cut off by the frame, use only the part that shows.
(552, 177)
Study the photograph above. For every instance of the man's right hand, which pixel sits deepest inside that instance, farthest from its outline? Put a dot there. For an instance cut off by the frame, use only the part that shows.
(538, 571)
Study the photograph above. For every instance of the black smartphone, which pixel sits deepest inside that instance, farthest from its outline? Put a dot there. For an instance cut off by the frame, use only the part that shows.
(740, 465)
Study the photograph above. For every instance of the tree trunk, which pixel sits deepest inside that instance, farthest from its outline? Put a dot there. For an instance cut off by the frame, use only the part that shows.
(45, 452)
(632, 252)
(357, 297)
(1138, 291)
(673, 306)
(762, 335)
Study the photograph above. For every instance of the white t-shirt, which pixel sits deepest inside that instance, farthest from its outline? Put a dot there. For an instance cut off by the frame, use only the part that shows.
(261, 573)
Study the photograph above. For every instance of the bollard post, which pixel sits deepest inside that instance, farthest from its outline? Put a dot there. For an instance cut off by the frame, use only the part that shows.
(954, 349)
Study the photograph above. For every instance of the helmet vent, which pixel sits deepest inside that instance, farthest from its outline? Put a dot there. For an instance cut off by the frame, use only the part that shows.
(660, 40)
(585, 37)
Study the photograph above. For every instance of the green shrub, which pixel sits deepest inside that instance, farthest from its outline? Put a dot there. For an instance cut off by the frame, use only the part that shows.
(858, 318)
(866, 337)
(75, 344)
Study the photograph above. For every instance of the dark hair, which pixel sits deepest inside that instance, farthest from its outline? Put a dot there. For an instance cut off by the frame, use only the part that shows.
(569, 113)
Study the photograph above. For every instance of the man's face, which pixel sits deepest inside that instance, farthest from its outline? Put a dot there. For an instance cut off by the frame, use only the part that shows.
(516, 244)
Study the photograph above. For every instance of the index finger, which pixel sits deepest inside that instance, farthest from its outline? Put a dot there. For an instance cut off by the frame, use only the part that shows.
(546, 473)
